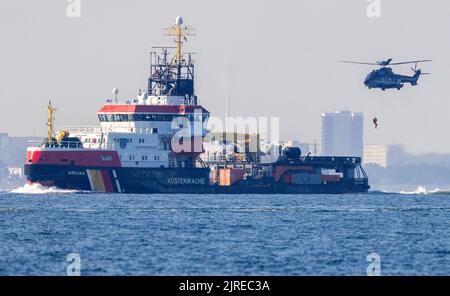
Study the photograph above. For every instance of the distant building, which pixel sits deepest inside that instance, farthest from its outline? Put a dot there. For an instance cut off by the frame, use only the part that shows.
(13, 149)
(342, 134)
(15, 171)
(375, 154)
(4, 140)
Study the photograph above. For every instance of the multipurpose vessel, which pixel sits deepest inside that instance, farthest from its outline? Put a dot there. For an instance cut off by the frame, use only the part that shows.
(154, 143)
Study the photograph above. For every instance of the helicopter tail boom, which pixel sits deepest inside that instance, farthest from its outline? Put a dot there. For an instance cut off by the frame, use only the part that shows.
(412, 79)
(416, 77)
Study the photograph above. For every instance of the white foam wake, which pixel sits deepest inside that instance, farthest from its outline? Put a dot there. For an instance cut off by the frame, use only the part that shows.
(422, 190)
(39, 189)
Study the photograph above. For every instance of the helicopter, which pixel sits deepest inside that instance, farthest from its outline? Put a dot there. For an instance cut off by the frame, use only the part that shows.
(384, 78)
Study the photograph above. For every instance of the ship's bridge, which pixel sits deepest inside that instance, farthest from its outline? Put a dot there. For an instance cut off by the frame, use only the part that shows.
(163, 119)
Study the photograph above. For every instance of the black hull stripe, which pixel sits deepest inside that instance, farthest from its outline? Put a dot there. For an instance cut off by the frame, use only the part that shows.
(167, 180)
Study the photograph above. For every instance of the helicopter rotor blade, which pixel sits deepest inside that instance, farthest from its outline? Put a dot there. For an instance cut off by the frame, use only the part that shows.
(359, 63)
(411, 62)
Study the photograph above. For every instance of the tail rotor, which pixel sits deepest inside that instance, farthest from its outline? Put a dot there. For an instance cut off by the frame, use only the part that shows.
(415, 70)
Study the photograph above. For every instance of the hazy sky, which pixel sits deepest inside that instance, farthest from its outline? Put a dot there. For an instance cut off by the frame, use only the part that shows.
(275, 58)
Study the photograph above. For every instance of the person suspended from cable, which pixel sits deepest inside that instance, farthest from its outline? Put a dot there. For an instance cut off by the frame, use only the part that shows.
(375, 122)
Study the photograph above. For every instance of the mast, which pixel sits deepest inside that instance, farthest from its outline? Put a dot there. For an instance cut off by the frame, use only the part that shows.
(50, 119)
(178, 31)
(172, 74)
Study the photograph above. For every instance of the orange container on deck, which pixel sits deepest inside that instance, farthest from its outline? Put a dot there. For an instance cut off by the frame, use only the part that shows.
(230, 176)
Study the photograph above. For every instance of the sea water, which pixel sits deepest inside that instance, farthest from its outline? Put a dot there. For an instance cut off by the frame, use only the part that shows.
(155, 234)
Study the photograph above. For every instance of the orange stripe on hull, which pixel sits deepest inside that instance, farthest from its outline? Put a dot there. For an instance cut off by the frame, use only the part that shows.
(96, 180)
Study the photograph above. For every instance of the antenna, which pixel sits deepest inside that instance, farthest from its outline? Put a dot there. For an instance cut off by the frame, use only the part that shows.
(115, 92)
(178, 30)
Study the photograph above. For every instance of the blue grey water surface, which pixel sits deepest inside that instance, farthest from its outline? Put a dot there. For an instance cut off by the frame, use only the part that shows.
(224, 234)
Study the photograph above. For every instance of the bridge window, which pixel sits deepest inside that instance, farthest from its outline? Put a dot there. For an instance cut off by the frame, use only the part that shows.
(148, 117)
(106, 157)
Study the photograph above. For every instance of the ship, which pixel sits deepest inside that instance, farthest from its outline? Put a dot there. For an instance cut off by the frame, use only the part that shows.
(154, 143)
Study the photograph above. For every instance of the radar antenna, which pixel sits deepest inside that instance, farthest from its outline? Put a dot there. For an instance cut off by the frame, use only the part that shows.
(179, 31)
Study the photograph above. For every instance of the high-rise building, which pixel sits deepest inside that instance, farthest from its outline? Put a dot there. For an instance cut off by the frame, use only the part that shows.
(342, 134)
(375, 154)
(4, 140)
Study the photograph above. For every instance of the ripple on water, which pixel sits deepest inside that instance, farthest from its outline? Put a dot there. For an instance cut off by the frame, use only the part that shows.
(247, 234)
